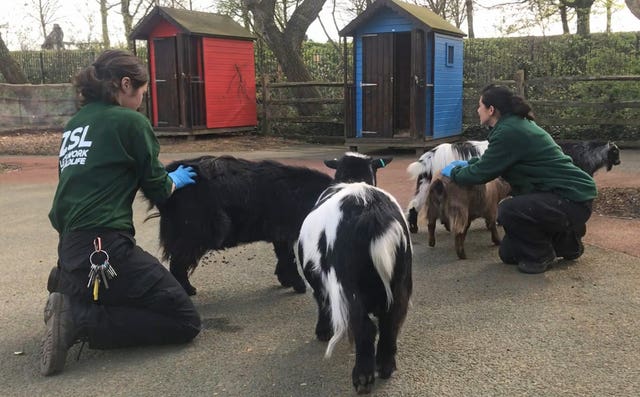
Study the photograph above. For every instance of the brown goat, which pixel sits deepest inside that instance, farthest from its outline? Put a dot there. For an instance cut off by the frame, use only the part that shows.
(457, 206)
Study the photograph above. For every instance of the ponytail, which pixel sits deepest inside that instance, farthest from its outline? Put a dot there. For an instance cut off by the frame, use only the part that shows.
(506, 102)
(101, 80)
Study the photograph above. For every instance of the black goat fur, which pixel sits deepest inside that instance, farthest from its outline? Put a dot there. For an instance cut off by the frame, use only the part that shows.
(236, 201)
(591, 156)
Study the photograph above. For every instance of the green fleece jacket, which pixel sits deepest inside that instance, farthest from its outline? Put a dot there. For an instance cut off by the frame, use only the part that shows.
(528, 158)
(107, 153)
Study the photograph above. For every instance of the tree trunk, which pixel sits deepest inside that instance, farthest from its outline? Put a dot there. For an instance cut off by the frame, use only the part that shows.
(106, 43)
(469, 4)
(9, 67)
(583, 28)
(127, 22)
(564, 19)
(583, 12)
(286, 45)
(608, 5)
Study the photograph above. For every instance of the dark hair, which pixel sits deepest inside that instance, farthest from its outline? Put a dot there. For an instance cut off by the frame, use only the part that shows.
(101, 80)
(506, 101)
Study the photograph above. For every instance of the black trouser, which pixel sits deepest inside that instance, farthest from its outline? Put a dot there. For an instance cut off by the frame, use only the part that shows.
(144, 304)
(540, 226)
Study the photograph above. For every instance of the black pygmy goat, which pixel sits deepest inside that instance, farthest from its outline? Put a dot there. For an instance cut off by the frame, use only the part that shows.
(356, 253)
(591, 156)
(238, 201)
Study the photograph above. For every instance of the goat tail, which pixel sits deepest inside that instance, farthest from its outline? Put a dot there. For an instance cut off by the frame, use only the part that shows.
(417, 168)
(420, 198)
(339, 307)
(437, 191)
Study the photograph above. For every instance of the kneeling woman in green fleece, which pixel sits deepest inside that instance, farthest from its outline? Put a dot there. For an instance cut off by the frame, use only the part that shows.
(552, 197)
(107, 290)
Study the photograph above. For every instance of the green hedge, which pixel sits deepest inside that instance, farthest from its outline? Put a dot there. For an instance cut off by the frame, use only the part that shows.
(485, 60)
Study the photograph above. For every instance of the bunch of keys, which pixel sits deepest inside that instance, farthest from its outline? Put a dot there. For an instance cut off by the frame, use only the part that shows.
(100, 271)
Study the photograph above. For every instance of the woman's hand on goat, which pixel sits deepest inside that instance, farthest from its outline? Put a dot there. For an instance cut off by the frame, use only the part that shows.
(183, 176)
(446, 171)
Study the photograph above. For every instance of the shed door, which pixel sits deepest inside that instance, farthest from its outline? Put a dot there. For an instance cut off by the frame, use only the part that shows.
(377, 85)
(419, 85)
(167, 93)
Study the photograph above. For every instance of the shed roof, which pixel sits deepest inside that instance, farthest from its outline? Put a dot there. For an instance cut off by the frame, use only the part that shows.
(420, 14)
(192, 22)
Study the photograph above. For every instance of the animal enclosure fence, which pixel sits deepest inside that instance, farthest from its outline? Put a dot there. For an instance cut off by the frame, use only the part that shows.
(593, 102)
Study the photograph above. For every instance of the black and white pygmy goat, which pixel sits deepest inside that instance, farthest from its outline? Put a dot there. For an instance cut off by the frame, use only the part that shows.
(355, 251)
(432, 162)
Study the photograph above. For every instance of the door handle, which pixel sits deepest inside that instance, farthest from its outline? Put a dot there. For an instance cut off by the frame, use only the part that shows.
(368, 84)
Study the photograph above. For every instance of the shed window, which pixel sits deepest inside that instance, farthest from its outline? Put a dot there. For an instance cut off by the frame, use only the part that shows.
(449, 56)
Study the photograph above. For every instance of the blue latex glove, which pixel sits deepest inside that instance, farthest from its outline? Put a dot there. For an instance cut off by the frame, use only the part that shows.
(183, 176)
(446, 171)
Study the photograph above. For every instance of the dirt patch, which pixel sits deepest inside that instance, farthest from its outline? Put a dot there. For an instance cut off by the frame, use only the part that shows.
(30, 143)
(619, 202)
(48, 143)
(7, 167)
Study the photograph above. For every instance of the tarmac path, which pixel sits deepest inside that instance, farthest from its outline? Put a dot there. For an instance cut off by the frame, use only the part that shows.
(475, 328)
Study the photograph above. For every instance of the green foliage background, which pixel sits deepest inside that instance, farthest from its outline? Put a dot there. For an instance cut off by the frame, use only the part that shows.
(485, 61)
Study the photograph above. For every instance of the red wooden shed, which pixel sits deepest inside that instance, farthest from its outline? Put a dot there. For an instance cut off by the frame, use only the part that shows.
(202, 72)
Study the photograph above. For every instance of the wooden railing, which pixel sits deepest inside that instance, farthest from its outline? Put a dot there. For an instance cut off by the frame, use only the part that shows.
(569, 112)
(273, 108)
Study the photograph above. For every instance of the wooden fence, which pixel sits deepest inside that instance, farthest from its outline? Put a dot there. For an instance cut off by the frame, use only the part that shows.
(274, 105)
(601, 108)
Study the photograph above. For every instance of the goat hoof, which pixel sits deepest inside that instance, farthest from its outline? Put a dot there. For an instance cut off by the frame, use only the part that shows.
(385, 365)
(363, 382)
(385, 371)
(300, 287)
(324, 336)
(296, 283)
(283, 282)
(323, 333)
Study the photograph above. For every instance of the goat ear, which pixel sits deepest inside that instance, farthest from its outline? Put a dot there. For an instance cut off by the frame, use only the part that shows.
(381, 162)
(333, 164)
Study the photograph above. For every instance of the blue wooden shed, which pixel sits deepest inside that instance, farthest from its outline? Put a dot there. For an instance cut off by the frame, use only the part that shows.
(407, 77)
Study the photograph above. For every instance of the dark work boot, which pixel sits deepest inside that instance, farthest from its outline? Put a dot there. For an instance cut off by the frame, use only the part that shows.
(574, 255)
(533, 267)
(59, 334)
(569, 245)
(505, 252)
(54, 278)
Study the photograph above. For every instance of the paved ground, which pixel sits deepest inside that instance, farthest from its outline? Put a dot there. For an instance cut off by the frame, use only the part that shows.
(475, 328)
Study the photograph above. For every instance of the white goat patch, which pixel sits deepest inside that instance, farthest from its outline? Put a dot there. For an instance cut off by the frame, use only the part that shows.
(325, 218)
(339, 308)
(383, 254)
(356, 154)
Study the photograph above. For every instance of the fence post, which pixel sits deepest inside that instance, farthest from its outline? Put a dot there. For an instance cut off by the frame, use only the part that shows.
(519, 78)
(42, 67)
(265, 104)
